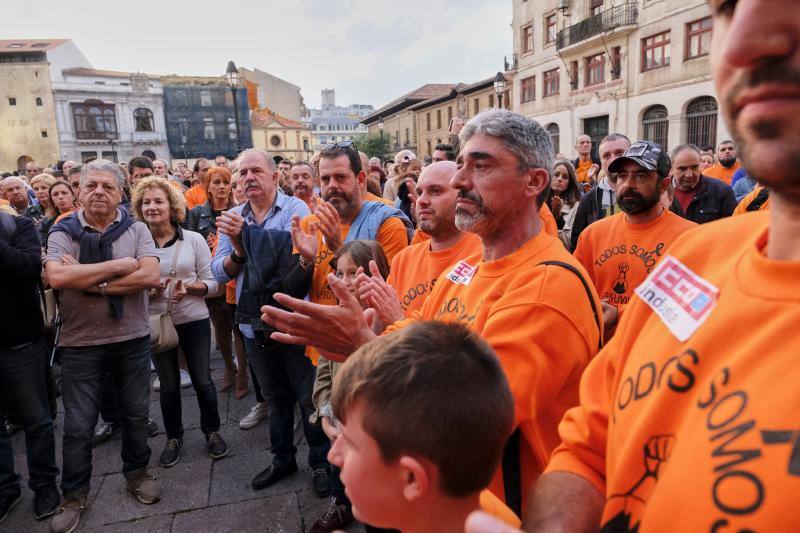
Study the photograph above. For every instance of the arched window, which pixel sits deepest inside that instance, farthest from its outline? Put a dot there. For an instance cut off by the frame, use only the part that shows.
(143, 119)
(655, 125)
(555, 133)
(39, 102)
(94, 120)
(701, 121)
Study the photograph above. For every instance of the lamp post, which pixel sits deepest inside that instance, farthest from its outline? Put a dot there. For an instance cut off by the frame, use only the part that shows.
(232, 73)
(113, 151)
(499, 88)
(380, 128)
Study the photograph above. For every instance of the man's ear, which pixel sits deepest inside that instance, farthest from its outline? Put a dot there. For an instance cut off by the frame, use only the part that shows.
(361, 178)
(416, 477)
(537, 180)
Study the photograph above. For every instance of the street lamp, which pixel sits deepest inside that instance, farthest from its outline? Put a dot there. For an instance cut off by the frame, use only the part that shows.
(113, 151)
(499, 88)
(232, 73)
(380, 128)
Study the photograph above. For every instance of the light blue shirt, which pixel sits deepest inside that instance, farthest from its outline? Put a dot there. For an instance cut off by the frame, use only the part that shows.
(278, 218)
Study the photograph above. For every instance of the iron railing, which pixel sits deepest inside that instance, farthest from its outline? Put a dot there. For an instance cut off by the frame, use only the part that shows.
(510, 63)
(610, 19)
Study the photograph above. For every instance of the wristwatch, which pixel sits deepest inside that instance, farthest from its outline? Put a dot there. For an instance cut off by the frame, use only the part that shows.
(305, 263)
(102, 287)
(236, 258)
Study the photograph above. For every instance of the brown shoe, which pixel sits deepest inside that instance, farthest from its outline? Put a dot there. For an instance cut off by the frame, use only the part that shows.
(68, 515)
(145, 487)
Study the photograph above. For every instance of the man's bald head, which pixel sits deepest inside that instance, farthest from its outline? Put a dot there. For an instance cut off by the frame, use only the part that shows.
(436, 203)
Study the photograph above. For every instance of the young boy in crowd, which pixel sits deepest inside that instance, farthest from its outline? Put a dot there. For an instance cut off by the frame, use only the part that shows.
(423, 415)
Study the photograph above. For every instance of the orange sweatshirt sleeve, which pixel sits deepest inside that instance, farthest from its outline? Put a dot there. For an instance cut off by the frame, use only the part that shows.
(393, 237)
(584, 429)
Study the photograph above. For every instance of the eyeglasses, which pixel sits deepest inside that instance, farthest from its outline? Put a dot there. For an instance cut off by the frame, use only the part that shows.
(347, 145)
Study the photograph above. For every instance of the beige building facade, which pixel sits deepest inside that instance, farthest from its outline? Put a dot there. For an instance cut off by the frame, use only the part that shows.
(397, 121)
(637, 67)
(275, 94)
(28, 129)
(433, 116)
(281, 136)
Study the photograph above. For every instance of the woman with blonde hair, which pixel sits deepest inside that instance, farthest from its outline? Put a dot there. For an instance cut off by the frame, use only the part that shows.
(42, 210)
(203, 219)
(185, 263)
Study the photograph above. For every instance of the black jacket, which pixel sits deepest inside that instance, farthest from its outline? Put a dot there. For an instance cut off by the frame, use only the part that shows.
(20, 270)
(714, 200)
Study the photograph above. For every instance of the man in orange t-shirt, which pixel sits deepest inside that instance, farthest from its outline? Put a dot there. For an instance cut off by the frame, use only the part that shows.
(620, 251)
(727, 163)
(523, 294)
(689, 417)
(197, 195)
(585, 165)
(415, 270)
(756, 200)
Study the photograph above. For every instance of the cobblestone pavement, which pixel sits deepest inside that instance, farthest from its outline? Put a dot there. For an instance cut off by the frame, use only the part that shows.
(198, 494)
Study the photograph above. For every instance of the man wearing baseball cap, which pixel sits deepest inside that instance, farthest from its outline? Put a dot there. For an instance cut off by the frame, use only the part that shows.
(620, 251)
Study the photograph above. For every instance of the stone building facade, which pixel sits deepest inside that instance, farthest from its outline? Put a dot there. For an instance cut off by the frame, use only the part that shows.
(335, 123)
(433, 116)
(397, 121)
(28, 128)
(638, 67)
(109, 114)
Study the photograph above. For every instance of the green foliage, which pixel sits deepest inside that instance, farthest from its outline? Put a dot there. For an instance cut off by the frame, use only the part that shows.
(373, 145)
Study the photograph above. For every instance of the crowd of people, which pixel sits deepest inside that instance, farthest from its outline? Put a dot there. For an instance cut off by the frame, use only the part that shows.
(497, 336)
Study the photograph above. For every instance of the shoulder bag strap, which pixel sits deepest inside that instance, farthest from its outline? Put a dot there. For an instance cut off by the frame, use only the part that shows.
(173, 274)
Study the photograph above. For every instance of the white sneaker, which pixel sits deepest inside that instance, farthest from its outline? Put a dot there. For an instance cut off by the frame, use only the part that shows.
(256, 415)
(186, 381)
(157, 384)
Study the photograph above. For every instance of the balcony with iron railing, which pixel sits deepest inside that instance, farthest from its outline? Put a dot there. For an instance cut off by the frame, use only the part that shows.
(510, 63)
(608, 20)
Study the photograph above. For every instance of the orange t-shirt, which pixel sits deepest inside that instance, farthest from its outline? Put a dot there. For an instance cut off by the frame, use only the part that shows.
(419, 236)
(741, 208)
(415, 270)
(369, 197)
(700, 434)
(583, 172)
(539, 321)
(722, 173)
(619, 255)
(494, 506)
(195, 196)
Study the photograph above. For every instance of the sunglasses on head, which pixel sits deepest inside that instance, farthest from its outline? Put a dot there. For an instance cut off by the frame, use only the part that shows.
(341, 144)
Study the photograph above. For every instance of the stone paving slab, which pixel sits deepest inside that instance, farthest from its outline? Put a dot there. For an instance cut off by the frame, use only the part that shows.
(155, 524)
(21, 517)
(277, 513)
(183, 487)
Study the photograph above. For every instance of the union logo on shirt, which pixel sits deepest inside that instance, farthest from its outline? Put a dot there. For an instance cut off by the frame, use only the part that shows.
(682, 299)
(462, 273)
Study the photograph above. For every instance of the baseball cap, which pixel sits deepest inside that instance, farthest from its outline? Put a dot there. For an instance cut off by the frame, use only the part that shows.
(646, 154)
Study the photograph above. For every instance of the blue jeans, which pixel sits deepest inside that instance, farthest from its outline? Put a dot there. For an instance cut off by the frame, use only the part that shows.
(195, 341)
(286, 375)
(84, 371)
(23, 371)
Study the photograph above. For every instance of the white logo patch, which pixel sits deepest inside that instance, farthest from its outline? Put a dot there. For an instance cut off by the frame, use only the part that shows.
(462, 273)
(682, 299)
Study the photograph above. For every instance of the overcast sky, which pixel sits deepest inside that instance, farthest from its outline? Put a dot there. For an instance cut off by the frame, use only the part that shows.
(369, 51)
